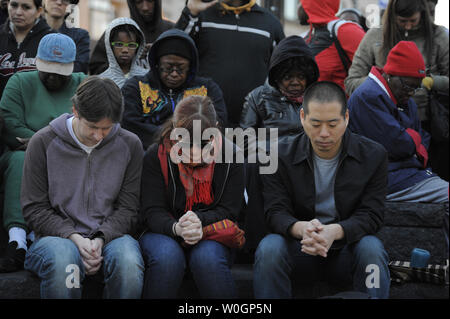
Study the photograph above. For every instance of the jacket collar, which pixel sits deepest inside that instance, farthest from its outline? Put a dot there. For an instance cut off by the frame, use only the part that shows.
(304, 150)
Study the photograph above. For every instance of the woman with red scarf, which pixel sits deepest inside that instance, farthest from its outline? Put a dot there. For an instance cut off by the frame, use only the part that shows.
(190, 200)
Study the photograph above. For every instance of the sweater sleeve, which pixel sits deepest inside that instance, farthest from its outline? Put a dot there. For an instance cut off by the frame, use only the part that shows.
(363, 60)
(371, 118)
(38, 213)
(13, 109)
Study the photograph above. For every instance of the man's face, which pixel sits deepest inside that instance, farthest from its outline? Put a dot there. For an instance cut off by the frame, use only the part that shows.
(146, 9)
(52, 81)
(56, 8)
(409, 23)
(173, 70)
(91, 133)
(403, 88)
(23, 13)
(325, 126)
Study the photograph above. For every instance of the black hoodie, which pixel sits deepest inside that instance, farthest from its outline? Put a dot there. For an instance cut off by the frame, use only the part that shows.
(148, 103)
(265, 106)
(152, 30)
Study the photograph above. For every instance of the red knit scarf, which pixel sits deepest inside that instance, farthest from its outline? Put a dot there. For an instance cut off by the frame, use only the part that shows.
(197, 184)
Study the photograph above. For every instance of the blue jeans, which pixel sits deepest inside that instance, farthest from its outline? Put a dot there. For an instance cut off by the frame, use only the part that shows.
(58, 263)
(279, 262)
(165, 261)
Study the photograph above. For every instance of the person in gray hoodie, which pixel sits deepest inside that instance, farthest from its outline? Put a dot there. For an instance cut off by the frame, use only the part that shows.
(125, 43)
(80, 195)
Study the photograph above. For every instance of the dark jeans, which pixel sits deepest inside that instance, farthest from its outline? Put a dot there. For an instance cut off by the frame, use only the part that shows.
(279, 261)
(165, 261)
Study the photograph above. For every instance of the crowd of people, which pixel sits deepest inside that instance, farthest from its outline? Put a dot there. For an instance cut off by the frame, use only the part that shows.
(95, 172)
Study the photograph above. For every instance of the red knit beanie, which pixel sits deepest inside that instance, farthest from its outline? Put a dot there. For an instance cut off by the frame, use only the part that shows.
(405, 59)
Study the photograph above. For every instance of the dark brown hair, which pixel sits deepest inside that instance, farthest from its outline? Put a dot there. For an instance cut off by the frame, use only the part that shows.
(191, 108)
(406, 8)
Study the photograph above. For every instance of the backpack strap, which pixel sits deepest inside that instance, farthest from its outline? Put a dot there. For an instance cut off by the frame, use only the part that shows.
(344, 57)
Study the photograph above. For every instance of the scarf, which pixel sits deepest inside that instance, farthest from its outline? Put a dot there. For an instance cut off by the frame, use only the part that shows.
(196, 181)
(239, 10)
(290, 97)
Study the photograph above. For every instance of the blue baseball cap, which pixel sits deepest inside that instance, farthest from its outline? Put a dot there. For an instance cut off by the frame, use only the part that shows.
(56, 54)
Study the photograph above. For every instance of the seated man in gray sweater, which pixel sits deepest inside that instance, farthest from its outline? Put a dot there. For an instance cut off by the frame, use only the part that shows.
(80, 195)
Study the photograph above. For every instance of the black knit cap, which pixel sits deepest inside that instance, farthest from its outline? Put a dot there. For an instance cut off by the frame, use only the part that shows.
(175, 46)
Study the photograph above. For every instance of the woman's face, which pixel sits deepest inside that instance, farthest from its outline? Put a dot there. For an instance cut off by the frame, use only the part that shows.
(23, 14)
(409, 23)
(292, 84)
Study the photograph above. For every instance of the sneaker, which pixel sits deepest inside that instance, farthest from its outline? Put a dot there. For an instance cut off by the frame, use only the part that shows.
(13, 258)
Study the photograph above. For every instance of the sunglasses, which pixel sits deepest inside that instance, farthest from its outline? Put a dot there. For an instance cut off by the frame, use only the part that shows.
(130, 45)
(170, 68)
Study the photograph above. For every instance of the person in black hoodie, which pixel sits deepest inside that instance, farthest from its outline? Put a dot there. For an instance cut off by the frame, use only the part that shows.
(151, 99)
(148, 15)
(3, 11)
(19, 38)
(276, 104)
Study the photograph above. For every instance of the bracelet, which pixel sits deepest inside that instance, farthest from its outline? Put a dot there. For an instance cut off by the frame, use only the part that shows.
(174, 230)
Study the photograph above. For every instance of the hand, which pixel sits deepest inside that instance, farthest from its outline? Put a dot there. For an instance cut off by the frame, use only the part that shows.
(197, 6)
(189, 227)
(91, 260)
(318, 243)
(24, 142)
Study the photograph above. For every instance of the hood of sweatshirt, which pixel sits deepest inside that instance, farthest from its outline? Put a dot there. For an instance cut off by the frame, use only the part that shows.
(174, 34)
(293, 46)
(321, 12)
(114, 71)
(58, 125)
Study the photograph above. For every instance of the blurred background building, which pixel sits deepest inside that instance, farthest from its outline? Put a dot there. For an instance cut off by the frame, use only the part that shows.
(94, 15)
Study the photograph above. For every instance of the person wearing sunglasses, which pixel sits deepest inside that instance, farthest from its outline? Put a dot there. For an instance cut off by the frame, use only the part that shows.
(151, 99)
(382, 109)
(124, 42)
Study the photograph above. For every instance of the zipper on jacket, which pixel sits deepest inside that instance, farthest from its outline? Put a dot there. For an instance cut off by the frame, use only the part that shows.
(171, 99)
(89, 182)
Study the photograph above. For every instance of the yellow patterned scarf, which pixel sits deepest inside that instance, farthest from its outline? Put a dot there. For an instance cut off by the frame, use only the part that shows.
(239, 10)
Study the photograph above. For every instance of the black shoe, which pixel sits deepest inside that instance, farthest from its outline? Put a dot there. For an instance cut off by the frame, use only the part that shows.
(13, 258)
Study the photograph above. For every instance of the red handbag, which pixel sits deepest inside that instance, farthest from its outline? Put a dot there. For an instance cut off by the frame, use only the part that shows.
(225, 232)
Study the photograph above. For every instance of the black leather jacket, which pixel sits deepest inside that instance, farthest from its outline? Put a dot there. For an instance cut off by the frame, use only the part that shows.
(266, 107)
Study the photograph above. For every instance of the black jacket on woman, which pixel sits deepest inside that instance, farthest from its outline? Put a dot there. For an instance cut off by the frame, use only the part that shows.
(162, 206)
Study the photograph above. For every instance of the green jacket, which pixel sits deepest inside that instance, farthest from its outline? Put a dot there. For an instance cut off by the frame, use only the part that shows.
(369, 54)
(27, 106)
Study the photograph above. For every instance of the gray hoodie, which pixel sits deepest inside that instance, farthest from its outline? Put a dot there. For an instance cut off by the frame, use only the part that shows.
(67, 191)
(114, 72)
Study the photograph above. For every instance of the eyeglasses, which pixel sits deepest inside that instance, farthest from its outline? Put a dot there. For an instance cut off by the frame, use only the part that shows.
(180, 69)
(407, 88)
(120, 44)
(66, 2)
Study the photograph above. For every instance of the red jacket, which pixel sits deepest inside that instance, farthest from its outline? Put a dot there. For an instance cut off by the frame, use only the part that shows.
(322, 14)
